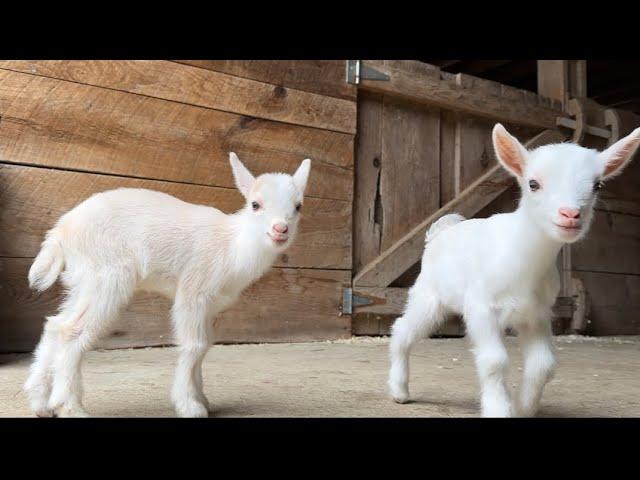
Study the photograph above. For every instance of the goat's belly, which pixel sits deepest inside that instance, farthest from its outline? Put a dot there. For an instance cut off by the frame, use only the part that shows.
(158, 284)
(517, 309)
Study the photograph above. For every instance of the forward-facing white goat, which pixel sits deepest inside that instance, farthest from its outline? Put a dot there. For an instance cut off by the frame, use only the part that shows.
(122, 240)
(500, 271)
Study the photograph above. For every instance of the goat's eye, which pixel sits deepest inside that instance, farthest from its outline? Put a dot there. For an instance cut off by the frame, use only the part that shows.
(534, 185)
(298, 207)
(255, 205)
(597, 186)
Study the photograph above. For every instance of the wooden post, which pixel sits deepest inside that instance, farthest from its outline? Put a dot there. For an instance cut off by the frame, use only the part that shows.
(562, 79)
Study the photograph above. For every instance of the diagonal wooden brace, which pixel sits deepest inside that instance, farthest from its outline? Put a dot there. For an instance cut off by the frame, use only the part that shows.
(407, 251)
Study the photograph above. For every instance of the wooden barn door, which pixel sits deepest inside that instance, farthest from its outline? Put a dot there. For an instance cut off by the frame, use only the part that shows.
(424, 148)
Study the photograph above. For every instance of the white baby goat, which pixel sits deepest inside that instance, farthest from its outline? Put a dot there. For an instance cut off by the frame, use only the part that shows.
(500, 271)
(122, 240)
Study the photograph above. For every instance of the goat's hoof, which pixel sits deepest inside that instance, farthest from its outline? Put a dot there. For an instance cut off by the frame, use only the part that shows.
(44, 413)
(71, 412)
(193, 409)
(498, 412)
(399, 395)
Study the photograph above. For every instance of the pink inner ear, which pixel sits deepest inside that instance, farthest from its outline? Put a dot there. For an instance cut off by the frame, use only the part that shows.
(509, 153)
(619, 157)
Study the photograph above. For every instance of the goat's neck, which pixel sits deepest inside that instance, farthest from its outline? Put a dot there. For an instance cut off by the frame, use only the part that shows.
(532, 241)
(251, 255)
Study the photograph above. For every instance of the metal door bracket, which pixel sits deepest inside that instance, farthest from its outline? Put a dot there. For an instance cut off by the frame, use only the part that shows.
(356, 72)
(350, 301)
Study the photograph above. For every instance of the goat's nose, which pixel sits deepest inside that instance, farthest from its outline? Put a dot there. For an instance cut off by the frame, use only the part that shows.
(570, 212)
(281, 227)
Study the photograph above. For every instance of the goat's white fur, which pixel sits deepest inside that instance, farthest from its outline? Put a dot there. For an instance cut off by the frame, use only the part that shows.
(123, 240)
(500, 271)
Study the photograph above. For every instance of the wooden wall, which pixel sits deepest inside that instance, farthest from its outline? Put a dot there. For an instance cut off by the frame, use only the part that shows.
(72, 128)
(608, 259)
(412, 158)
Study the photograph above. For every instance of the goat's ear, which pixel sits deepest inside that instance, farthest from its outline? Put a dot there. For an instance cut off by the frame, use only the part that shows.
(244, 179)
(510, 152)
(301, 175)
(618, 155)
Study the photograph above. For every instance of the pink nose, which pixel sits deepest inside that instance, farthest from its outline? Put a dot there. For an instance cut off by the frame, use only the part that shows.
(281, 228)
(569, 212)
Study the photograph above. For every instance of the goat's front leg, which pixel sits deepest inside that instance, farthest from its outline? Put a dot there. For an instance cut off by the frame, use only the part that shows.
(193, 332)
(492, 362)
(539, 365)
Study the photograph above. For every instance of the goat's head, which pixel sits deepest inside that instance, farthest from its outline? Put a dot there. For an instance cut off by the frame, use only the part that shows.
(560, 182)
(274, 200)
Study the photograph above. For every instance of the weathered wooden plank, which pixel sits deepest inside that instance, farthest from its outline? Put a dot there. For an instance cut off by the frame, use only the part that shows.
(612, 245)
(392, 301)
(269, 311)
(614, 303)
(410, 167)
(621, 194)
(553, 79)
(376, 325)
(474, 153)
(55, 123)
(448, 125)
(387, 305)
(408, 250)
(326, 77)
(32, 199)
(202, 87)
(446, 93)
(367, 204)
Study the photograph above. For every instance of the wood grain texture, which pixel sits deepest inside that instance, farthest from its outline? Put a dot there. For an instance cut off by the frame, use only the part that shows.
(326, 77)
(614, 303)
(404, 253)
(448, 125)
(509, 106)
(202, 87)
(32, 199)
(410, 167)
(621, 194)
(612, 245)
(387, 304)
(367, 203)
(269, 311)
(62, 124)
(397, 172)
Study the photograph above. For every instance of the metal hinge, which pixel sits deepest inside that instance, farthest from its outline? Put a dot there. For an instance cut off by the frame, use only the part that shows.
(349, 301)
(356, 72)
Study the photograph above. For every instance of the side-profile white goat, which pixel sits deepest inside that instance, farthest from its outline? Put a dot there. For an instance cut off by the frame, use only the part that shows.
(123, 240)
(500, 271)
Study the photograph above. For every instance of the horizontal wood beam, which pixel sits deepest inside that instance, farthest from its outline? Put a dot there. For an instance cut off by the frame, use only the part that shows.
(268, 311)
(425, 84)
(204, 88)
(391, 301)
(407, 251)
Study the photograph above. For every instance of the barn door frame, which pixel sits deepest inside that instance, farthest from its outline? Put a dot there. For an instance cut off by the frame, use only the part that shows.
(556, 118)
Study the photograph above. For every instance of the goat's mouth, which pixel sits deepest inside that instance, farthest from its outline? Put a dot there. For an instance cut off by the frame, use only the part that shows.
(570, 229)
(279, 240)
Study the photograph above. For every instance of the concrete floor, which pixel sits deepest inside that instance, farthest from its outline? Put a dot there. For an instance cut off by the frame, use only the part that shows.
(597, 377)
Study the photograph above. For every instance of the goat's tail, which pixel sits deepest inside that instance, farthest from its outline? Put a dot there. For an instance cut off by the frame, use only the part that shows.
(48, 264)
(442, 224)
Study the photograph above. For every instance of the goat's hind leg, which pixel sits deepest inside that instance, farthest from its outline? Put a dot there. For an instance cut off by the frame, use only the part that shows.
(91, 309)
(422, 316)
(38, 384)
